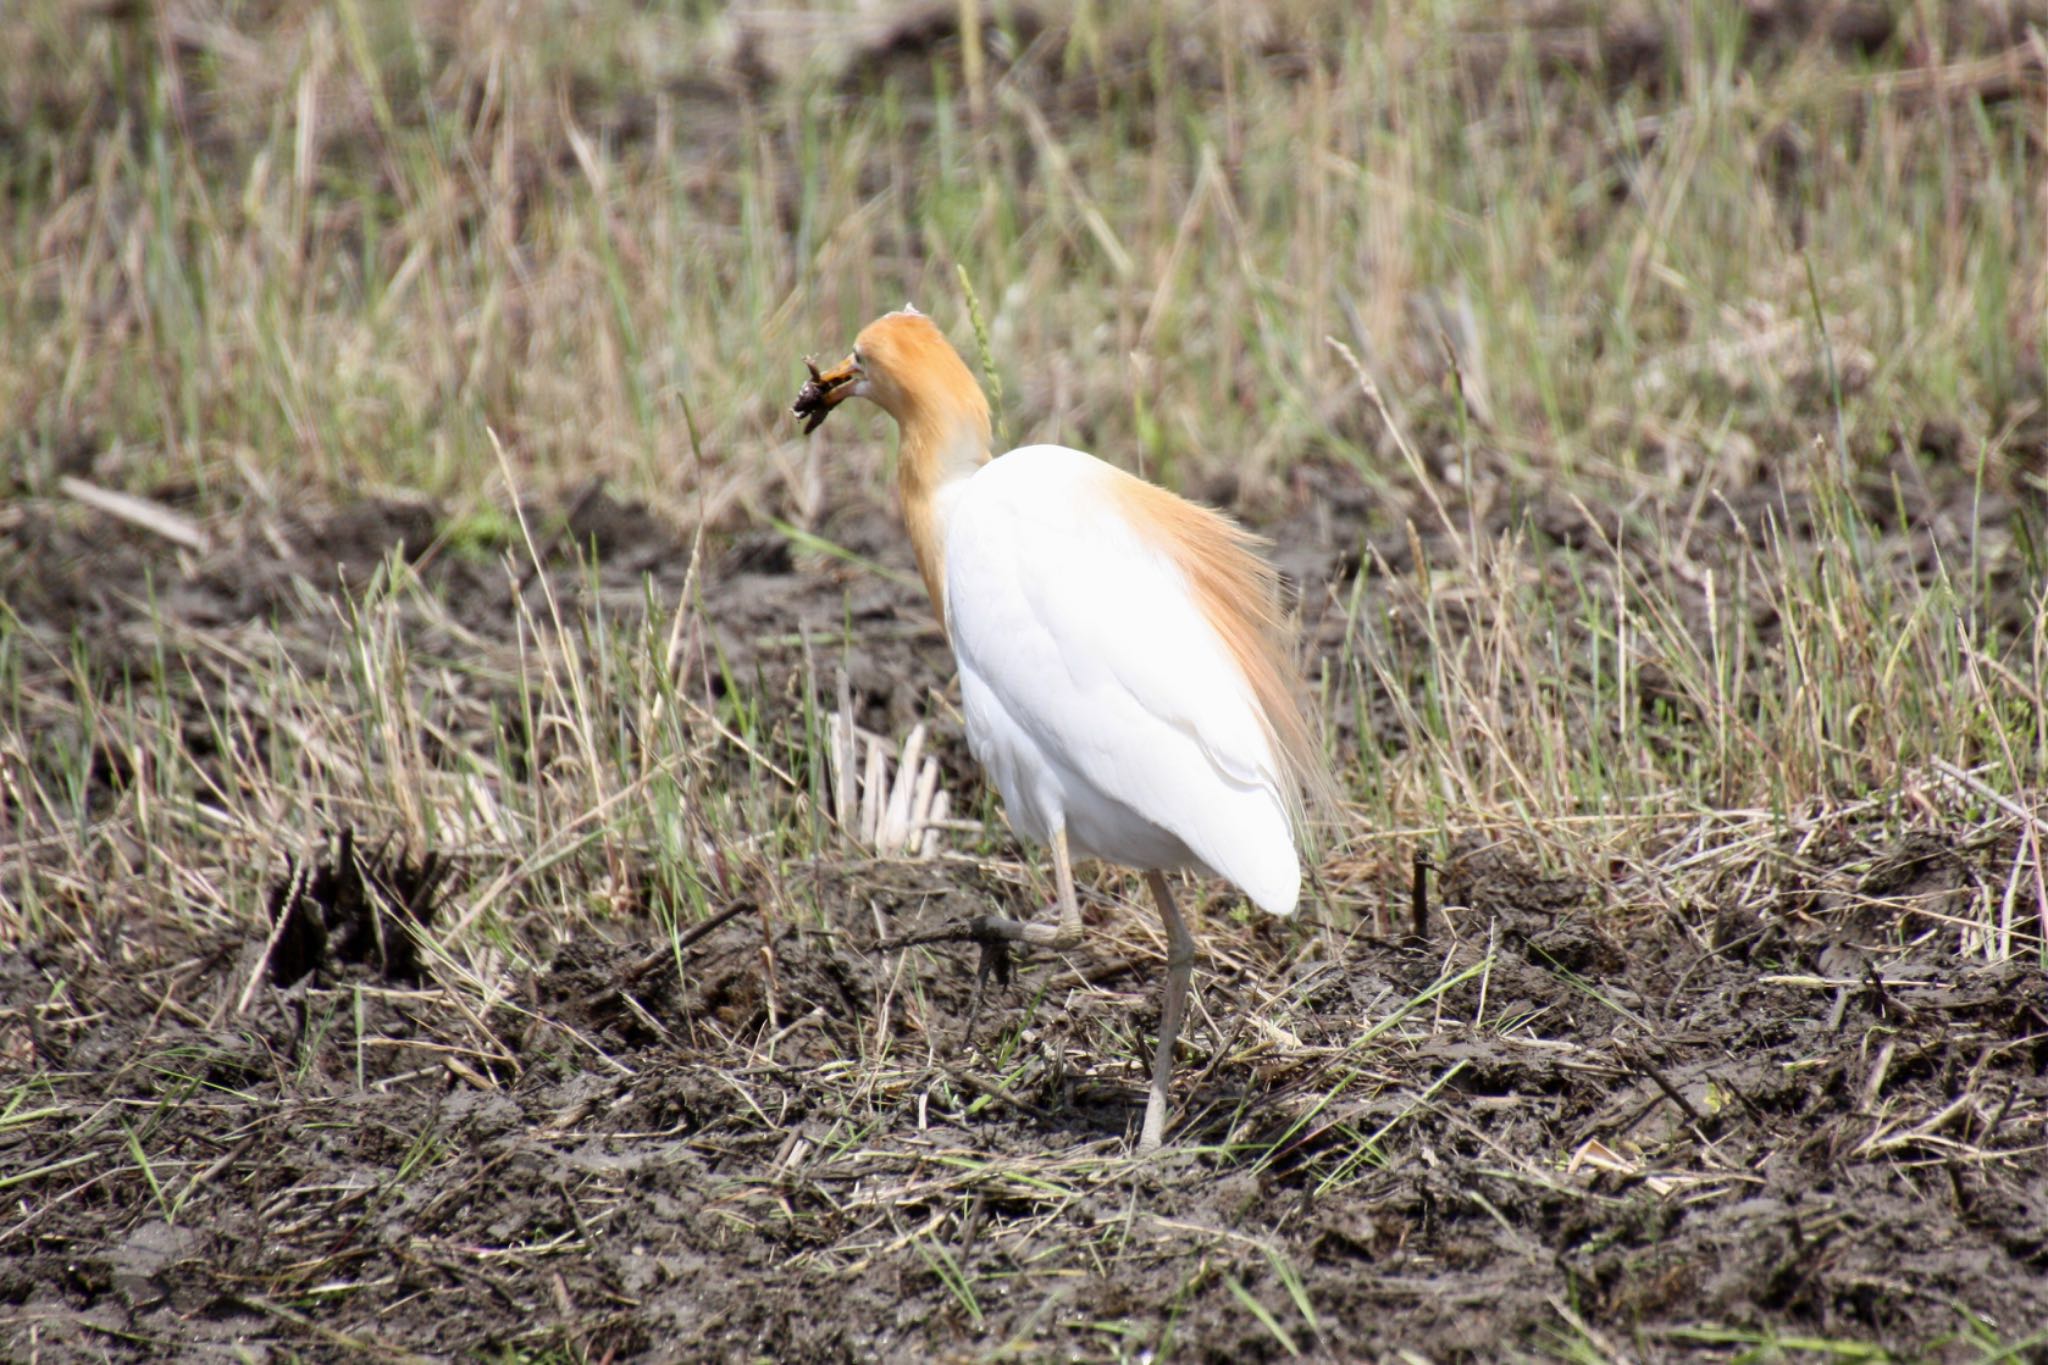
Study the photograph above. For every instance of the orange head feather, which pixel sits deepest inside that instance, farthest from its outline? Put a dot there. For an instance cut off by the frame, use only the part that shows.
(914, 373)
(903, 362)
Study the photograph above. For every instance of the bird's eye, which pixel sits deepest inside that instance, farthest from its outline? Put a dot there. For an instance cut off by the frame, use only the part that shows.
(858, 363)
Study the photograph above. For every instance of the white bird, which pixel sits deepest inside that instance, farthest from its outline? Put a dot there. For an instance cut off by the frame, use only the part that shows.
(1125, 666)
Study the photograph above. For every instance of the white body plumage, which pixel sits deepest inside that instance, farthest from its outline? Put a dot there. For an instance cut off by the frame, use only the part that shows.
(1124, 665)
(1096, 693)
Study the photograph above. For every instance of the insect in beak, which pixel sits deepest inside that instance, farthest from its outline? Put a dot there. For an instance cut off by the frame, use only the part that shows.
(824, 391)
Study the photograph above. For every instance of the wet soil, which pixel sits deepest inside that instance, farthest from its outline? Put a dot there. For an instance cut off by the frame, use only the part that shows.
(772, 1143)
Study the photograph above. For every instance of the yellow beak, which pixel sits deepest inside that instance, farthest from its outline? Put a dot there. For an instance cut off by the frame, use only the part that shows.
(824, 391)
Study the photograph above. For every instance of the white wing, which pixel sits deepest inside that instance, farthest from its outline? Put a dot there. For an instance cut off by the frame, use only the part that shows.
(1093, 645)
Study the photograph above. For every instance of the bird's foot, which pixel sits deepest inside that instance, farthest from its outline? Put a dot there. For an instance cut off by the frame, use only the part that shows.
(995, 934)
(991, 929)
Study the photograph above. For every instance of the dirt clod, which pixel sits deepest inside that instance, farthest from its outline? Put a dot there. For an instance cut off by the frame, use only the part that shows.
(354, 906)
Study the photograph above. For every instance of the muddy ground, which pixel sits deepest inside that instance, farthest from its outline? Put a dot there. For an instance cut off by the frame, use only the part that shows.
(1575, 1117)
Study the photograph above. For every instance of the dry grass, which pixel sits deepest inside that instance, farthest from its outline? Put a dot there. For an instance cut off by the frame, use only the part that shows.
(1695, 328)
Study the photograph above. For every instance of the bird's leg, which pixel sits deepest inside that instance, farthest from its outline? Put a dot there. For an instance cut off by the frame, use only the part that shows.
(997, 930)
(1180, 965)
(1068, 932)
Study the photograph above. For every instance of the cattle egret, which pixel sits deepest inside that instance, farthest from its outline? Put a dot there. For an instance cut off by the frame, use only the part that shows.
(1125, 666)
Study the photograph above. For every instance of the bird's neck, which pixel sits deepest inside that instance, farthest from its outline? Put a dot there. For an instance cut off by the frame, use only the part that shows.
(944, 442)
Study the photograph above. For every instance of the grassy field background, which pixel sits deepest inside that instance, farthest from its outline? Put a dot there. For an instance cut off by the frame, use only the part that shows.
(1647, 401)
